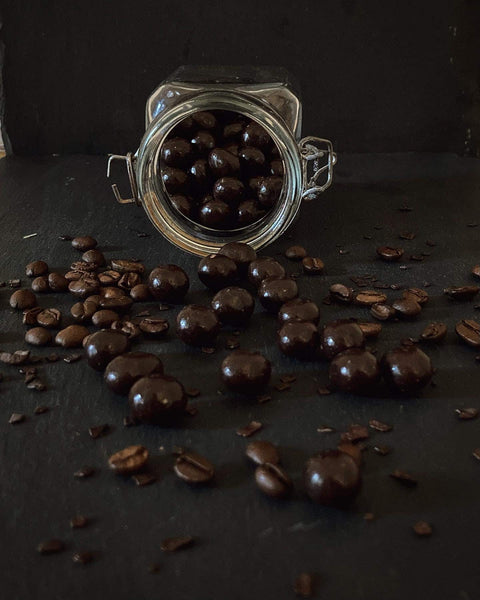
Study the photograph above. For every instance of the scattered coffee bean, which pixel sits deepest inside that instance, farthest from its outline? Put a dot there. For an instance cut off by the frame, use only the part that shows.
(369, 298)
(469, 331)
(417, 294)
(340, 335)
(16, 418)
(82, 312)
(341, 293)
(23, 299)
(249, 429)
(434, 332)
(72, 336)
(193, 468)
(466, 414)
(52, 546)
(40, 410)
(119, 304)
(104, 318)
(332, 477)
(129, 280)
(86, 286)
(476, 453)
(176, 543)
(36, 268)
(168, 283)
(407, 307)
(260, 452)
(78, 522)
(36, 384)
(127, 266)
(382, 450)
(82, 558)
(379, 426)
(38, 336)
(423, 529)
(354, 370)
(143, 479)
(49, 317)
(157, 399)
(57, 282)
(233, 306)
(129, 460)
(84, 243)
(97, 430)
(370, 329)
(382, 312)
(104, 345)
(197, 325)
(407, 236)
(390, 254)
(313, 265)
(407, 369)
(140, 293)
(246, 372)
(292, 253)
(466, 292)
(94, 257)
(355, 433)
(84, 472)
(272, 480)
(30, 315)
(404, 478)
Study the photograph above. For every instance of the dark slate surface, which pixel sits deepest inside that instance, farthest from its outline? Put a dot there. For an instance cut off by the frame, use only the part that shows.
(377, 76)
(247, 545)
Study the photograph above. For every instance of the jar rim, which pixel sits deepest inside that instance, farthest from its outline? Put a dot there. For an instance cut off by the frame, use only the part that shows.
(186, 234)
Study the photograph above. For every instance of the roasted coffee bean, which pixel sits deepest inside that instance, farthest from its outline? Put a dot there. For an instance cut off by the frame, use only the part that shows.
(124, 370)
(252, 160)
(86, 286)
(40, 284)
(299, 309)
(275, 291)
(215, 214)
(104, 318)
(203, 142)
(109, 277)
(355, 433)
(84, 243)
(332, 477)
(467, 414)
(340, 335)
(249, 429)
(23, 299)
(197, 325)
(140, 293)
(341, 293)
(261, 452)
(112, 292)
(262, 268)
(434, 332)
(155, 328)
(168, 283)
(255, 135)
(175, 180)
(223, 163)
(83, 267)
(127, 266)
(57, 282)
(312, 265)
(272, 480)
(382, 312)
(38, 336)
(217, 271)
(304, 585)
(51, 547)
(229, 190)
(390, 254)
(176, 543)
(193, 468)
(176, 152)
(404, 478)
(82, 558)
(49, 317)
(355, 370)
(129, 460)
(30, 315)
(157, 399)
(233, 306)
(295, 253)
(16, 418)
(476, 271)
(407, 369)
(466, 292)
(130, 329)
(143, 479)
(469, 332)
(299, 340)
(370, 329)
(82, 312)
(36, 268)
(423, 529)
(119, 304)
(421, 296)
(407, 307)
(241, 254)
(369, 297)
(129, 281)
(248, 212)
(94, 257)
(78, 522)
(246, 372)
(103, 346)
(71, 337)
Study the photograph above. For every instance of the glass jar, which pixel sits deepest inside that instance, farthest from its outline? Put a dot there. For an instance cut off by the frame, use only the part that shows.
(265, 95)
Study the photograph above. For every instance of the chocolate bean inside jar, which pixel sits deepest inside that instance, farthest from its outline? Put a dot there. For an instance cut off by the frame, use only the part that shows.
(213, 175)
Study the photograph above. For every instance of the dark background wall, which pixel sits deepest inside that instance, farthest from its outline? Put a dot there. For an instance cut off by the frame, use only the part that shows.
(376, 75)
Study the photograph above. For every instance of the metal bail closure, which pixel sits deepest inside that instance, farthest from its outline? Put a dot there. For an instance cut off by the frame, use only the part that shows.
(312, 149)
(129, 160)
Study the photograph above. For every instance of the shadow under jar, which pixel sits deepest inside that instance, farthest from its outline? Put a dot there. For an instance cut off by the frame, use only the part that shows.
(222, 159)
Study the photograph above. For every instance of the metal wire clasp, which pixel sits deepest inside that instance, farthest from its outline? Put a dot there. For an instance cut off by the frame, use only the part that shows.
(312, 149)
(129, 159)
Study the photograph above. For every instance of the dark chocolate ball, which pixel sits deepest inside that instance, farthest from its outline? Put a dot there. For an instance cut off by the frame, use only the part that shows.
(176, 152)
(216, 271)
(276, 168)
(183, 204)
(340, 335)
(332, 478)
(262, 268)
(223, 163)
(215, 214)
(205, 119)
(299, 309)
(168, 283)
(269, 191)
(175, 180)
(252, 160)
(233, 306)
(299, 339)
(246, 372)
(124, 370)
(354, 370)
(242, 255)
(275, 291)
(200, 174)
(407, 369)
(255, 135)
(203, 142)
(229, 190)
(248, 212)
(197, 325)
(157, 399)
(103, 346)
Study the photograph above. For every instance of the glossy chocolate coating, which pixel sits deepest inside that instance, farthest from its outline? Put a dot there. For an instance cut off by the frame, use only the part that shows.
(223, 163)
(242, 255)
(269, 191)
(299, 309)
(124, 370)
(252, 160)
(255, 135)
(205, 119)
(299, 339)
(157, 399)
(104, 345)
(197, 325)
(215, 214)
(233, 306)
(229, 190)
(332, 478)
(340, 335)
(176, 152)
(168, 283)
(246, 372)
(200, 174)
(407, 369)
(202, 142)
(175, 180)
(217, 271)
(275, 291)
(248, 212)
(354, 370)
(262, 268)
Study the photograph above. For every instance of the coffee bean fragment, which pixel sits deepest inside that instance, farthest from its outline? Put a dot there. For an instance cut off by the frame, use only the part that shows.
(14, 283)
(97, 430)
(304, 585)
(52, 546)
(382, 450)
(143, 479)
(468, 330)
(476, 453)
(466, 292)
(19, 357)
(355, 433)
(264, 398)
(176, 543)
(84, 472)
(382, 312)
(370, 329)
(126, 266)
(78, 522)
(476, 271)
(154, 327)
(369, 298)
(390, 254)
(408, 235)
(404, 478)
(251, 428)
(261, 451)
(128, 460)
(434, 332)
(82, 558)
(313, 265)
(272, 480)
(193, 468)
(324, 391)
(368, 516)
(466, 414)
(423, 529)
(292, 253)
(36, 384)
(16, 418)
(36, 268)
(282, 386)
(421, 296)
(40, 410)
(379, 426)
